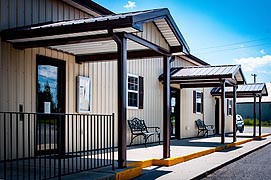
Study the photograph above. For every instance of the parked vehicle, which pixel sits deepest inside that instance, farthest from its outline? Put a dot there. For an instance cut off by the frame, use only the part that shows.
(240, 126)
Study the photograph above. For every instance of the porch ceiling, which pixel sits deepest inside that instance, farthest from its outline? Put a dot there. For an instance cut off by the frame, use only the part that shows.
(206, 76)
(245, 90)
(94, 35)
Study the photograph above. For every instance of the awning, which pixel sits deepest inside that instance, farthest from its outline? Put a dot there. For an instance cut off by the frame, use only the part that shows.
(92, 36)
(245, 90)
(206, 76)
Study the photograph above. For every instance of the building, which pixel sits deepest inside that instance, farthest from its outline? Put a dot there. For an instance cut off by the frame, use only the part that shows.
(64, 73)
(245, 106)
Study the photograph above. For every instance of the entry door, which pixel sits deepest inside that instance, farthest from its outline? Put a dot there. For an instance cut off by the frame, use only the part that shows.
(174, 113)
(50, 100)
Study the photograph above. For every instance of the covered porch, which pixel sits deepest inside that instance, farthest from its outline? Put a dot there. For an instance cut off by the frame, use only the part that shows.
(255, 90)
(117, 37)
(208, 77)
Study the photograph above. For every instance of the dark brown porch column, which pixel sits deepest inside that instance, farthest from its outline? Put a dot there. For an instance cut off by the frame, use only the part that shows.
(223, 112)
(254, 115)
(260, 115)
(166, 108)
(234, 114)
(122, 116)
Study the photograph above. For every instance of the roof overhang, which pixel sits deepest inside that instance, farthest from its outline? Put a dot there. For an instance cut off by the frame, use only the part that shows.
(243, 91)
(206, 76)
(92, 36)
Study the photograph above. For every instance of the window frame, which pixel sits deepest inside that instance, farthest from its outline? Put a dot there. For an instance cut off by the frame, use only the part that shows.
(197, 101)
(229, 107)
(133, 91)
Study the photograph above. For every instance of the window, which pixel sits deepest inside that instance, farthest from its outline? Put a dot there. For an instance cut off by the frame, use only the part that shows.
(135, 91)
(197, 102)
(229, 105)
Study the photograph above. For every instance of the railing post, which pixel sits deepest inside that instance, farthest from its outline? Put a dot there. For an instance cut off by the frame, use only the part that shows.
(5, 148)
(113, 143)
(59, 147)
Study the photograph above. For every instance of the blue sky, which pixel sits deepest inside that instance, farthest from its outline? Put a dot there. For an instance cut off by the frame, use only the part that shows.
(218, 31)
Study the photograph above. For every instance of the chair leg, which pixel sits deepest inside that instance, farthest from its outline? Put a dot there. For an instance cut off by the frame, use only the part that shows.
(145, 138)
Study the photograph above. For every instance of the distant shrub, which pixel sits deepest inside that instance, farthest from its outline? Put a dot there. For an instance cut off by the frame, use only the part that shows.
(250, 122)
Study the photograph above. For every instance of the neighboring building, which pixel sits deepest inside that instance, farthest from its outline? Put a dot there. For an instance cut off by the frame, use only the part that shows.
(245, 106)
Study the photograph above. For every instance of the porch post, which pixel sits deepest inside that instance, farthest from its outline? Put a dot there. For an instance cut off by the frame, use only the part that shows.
(223, 112)
(260, 115)
(166, 107)
(234, 114)
(122, 116)
(254, 115)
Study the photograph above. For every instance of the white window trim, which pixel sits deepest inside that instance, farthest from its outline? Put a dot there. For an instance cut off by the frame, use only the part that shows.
(127, 91)
(200, 102)
(229, 100)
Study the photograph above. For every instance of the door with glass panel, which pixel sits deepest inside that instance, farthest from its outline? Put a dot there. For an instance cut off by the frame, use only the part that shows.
(50, 104)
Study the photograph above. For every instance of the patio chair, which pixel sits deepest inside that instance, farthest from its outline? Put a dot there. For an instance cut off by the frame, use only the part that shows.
(139, 128)
(203, 128)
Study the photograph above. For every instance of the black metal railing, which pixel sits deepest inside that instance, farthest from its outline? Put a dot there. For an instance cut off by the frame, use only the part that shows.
(42, 146)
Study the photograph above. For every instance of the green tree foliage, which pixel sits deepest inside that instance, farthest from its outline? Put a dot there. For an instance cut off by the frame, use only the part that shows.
(45, 96)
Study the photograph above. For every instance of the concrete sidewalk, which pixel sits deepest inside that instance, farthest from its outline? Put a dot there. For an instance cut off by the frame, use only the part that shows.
(190, 158)
(201, 166)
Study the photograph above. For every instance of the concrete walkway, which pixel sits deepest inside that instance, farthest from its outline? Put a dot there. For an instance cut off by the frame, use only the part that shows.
(190, 158)
(201, 166)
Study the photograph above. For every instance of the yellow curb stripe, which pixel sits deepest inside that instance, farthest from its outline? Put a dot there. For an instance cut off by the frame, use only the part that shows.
(142, 164)
(137, 167)
(129, 173)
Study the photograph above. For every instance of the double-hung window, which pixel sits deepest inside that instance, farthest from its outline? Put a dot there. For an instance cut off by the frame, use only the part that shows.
(229, 105)
(135, 91)
(197, 102)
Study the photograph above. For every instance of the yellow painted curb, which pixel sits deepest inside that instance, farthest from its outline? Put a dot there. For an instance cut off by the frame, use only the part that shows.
(129, 173)
(136, 167)
(142, 164)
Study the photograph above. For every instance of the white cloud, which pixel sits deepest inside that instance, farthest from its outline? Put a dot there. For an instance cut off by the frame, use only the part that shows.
(250, 63)
(130, 5)
(262, 51)
(265, 72)
(242, 46)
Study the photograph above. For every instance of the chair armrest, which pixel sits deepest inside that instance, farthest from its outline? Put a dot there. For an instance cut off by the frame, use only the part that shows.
(212, 126)
(156, 128)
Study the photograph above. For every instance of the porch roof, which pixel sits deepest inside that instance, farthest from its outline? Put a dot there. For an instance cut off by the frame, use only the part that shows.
(94, 35)
(245, 90)
(206, 76)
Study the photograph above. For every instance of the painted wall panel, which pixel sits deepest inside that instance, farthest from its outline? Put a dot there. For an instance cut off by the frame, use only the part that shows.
(16, 13)
(152, 34)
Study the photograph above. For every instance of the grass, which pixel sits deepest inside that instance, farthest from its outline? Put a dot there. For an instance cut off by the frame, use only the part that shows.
(48, 121)
(250, 122)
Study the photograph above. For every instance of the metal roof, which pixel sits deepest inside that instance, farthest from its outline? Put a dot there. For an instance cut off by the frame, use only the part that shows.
(245, 90)
(193, 58)
(48, 35)
(206, 76)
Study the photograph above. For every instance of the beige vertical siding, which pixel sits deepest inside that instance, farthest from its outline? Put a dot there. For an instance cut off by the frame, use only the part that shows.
(18, 70)
(18, 67)
(188, 126)
(228, 119)
(152, 34)
(26, 12)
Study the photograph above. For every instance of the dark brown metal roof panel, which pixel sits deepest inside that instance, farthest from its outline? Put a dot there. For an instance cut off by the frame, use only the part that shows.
(245, 90)
(207, 71)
